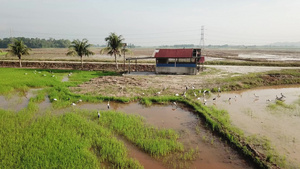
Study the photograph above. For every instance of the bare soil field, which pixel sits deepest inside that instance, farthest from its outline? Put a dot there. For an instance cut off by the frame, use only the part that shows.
(149, 84)
(240, 54)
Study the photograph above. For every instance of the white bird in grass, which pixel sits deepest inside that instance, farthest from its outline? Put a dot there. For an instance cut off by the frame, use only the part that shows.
(195, 94)
(99, 115)
(73, 104)
(176, 94)
(54, 99)
(108, 106)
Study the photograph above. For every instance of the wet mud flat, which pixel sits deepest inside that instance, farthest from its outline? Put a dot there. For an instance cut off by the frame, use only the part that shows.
(251, 111)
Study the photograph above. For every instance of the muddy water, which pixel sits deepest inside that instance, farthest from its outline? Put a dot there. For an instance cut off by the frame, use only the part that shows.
(65, 79)
(17, 102)
(251, 114)
(213, 153)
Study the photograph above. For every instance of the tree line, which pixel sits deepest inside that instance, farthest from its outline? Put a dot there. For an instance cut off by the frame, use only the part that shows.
(115, 47)
(37, 42)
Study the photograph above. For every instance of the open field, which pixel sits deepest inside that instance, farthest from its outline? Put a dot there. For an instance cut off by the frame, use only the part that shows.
(59, 89)
(95, 87)
(212, 54)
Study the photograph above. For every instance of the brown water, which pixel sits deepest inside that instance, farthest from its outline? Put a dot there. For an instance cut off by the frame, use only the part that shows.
(252, 115)
(213, 153)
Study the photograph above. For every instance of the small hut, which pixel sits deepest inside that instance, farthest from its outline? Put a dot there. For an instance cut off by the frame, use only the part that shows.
(177, 61)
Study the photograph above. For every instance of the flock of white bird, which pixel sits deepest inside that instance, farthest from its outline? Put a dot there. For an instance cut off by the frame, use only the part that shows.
(206, 94)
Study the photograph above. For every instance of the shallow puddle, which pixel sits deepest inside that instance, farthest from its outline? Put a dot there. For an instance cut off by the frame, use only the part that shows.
(65, 79)
(249, 111)
(17, 102)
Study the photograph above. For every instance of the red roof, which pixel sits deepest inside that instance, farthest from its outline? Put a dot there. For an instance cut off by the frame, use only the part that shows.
(174, 53)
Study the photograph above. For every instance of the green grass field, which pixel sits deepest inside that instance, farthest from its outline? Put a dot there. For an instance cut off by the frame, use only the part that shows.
(75, 139)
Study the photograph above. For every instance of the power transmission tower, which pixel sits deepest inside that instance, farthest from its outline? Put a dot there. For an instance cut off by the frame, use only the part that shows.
(202, 38)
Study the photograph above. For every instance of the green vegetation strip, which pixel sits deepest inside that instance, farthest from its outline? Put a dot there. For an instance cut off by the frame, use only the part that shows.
(67, 141)
(78, 139)
(2, 53)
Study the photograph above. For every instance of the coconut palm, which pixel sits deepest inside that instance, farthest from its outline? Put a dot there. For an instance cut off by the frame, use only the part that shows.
(114, 46)
(124, 50)
(80, 48)
(18, 48)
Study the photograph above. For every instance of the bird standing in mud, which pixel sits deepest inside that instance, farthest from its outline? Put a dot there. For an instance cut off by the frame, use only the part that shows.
(175, 104)
(108, 106)
(98, 114)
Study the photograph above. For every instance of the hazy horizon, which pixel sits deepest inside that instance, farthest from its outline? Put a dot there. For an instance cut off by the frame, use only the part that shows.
(154, 23)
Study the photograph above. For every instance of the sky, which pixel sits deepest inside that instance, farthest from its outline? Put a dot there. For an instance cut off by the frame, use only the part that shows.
(153, 22)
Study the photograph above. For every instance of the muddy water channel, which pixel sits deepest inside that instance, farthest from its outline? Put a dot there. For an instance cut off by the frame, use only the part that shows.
(213, 153)
(251, 111)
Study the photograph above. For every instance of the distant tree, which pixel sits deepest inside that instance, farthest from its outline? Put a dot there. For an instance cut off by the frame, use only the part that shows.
(114, 46)
(80, 48)
(18, 48)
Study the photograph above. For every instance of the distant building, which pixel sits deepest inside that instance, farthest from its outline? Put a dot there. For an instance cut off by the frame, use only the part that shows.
(177, 61)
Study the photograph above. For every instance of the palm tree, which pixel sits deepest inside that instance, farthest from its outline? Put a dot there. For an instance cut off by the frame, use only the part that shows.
(80, 48)
(114, 46)
(18, 48)
(124, 50)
